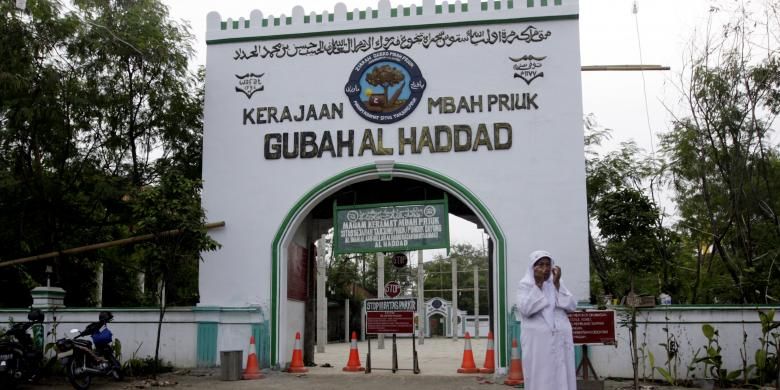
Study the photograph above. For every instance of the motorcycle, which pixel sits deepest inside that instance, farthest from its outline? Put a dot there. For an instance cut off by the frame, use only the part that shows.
(19, 358)
(81, 361)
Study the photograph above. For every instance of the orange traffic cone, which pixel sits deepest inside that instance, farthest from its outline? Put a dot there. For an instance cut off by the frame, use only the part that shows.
(490, 356)
(353, 364)
(252, 370)
(515, 367)
(296, 365)
(468, 366)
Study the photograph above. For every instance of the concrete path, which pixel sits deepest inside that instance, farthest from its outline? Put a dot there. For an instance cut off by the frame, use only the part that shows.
(439, 360)
(438, 357)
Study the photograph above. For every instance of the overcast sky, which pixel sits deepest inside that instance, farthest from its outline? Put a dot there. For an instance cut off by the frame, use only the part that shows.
(608, 35)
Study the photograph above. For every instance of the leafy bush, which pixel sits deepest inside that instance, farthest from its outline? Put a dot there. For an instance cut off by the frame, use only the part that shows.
(145, 366)
(713, 360)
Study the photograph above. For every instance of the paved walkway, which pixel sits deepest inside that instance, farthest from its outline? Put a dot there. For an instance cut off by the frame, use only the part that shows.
(439, 360)
(437, 357)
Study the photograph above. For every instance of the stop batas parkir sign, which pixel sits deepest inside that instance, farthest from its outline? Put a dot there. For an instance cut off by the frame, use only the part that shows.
(386, 316)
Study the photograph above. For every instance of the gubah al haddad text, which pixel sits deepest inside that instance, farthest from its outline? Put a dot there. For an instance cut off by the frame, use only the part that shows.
(415, 140)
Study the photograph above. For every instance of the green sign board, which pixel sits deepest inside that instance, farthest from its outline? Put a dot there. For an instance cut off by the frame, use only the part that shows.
(391, 227)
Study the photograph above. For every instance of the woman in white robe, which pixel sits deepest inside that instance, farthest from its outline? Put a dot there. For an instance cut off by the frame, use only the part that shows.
(545, 332)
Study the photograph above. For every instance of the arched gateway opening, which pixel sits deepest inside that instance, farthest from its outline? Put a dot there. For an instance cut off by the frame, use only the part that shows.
(382, 182)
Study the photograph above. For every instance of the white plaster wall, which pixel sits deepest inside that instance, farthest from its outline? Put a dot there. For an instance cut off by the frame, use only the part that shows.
(136, 329)
(235, 331)
(295, 309)
(685, 325)
(295, 323)
(535, 190)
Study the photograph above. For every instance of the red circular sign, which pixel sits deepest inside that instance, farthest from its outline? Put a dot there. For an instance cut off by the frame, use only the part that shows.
(392, 289)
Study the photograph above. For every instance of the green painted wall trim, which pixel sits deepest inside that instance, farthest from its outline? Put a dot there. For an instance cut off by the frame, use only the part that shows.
(262, 344)
(445, 182)
(47, 293)
(720, 307)
(257, 38)
(207, 344)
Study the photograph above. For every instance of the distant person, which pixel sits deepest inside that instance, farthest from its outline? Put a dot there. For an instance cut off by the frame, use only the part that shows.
(545, 332)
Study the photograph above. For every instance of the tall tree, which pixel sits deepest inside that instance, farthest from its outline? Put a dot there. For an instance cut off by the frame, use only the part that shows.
(724, 167)
(627, 232)
(51, 194)
(172, 205)
(96, 100)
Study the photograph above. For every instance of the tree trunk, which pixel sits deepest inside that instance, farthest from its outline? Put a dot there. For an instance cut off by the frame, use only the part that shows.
(634, 350)
(159, 329)
(598, 264)
(731, 268)
(695, 292)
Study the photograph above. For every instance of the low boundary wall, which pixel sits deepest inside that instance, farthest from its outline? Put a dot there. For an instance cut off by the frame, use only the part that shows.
(683, 324)
(190, 336)
(193, 336)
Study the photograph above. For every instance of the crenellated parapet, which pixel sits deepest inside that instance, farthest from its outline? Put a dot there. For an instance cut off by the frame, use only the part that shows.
(384, 15)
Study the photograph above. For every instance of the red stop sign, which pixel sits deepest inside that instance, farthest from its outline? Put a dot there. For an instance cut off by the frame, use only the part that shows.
(392, 289)
(400, 260)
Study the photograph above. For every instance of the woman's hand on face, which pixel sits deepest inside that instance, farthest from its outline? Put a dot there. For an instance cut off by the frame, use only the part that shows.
(556, 271)
(539, 280)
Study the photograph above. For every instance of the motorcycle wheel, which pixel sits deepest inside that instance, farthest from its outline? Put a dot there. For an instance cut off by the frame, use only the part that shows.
(79, 382)
(7, 382)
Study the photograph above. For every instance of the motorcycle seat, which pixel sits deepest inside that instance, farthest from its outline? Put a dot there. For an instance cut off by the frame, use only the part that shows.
(85, 343)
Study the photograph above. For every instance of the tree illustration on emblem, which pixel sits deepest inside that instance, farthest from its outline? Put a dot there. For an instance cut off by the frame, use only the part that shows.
(385, 76)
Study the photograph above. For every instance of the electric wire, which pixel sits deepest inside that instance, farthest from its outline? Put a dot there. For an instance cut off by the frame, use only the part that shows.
(644, 81)
(647, 105)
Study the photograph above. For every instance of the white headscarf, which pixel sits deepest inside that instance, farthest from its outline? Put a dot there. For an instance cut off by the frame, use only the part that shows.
(548, 288)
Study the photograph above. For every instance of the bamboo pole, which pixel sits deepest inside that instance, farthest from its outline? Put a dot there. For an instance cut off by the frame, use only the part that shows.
(103, 245)
(624, 68)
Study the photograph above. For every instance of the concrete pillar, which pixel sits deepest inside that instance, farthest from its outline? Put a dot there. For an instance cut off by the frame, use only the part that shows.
(48, 297)
(347, 330)
(363, 321)
(380, 289)
(421, 320)
(476, 302)
(322, 302)
(454, 316)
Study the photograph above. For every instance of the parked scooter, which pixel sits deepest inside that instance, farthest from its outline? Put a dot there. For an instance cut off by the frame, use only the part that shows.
(81, 361)
(19, 359)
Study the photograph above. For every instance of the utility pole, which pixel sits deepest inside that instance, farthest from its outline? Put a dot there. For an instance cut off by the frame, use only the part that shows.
(476, 302)
(380, 290)
(421, 320)
(322, 301)
(454, 310)
(347, 322)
